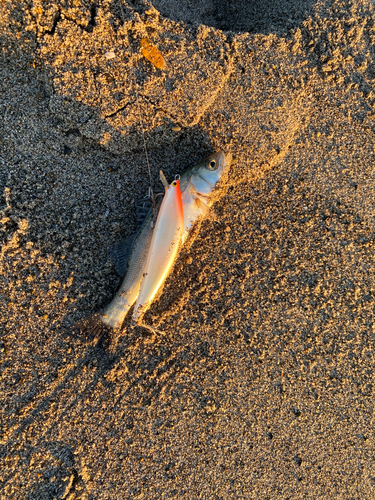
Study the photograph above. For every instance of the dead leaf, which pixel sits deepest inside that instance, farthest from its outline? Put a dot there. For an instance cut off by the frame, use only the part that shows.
(152, 53)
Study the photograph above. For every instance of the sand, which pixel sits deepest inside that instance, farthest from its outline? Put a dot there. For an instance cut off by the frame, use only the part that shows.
(261, 386)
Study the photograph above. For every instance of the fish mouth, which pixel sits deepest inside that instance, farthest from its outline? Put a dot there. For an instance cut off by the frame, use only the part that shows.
(204, 198)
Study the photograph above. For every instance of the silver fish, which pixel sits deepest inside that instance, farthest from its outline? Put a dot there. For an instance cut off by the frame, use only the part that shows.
(198, 185)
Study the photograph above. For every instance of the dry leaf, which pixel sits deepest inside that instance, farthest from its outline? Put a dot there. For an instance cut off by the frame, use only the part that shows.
(152, 53)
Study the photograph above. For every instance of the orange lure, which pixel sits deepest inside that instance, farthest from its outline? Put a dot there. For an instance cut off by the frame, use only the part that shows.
(164, 246)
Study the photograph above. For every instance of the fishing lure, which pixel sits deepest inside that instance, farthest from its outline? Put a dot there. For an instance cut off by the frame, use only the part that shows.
(164, 246)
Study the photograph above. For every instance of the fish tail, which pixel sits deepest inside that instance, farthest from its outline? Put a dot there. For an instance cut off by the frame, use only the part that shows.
(93, 329)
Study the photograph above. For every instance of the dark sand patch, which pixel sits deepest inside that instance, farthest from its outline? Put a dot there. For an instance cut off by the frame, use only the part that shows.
(259, 16)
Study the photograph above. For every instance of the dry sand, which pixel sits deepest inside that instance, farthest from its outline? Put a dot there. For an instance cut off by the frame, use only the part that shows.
(262, 385)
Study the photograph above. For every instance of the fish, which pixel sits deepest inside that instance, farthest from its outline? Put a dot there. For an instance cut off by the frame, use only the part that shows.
(198, 187)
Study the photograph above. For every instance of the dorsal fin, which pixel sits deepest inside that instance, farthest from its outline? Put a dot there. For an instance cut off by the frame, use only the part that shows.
(120, 253)
(143, 208)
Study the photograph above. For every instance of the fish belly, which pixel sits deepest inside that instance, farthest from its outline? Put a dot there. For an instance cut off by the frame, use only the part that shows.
(114, 314)
(193, 209)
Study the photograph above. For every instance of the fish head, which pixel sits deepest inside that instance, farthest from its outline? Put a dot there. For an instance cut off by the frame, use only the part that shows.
(203, 177)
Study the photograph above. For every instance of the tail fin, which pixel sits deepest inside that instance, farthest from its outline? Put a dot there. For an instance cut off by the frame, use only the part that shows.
(92, 329)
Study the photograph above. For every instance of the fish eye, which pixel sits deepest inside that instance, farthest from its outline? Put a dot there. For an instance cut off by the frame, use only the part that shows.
(211, 164)
(174, 183)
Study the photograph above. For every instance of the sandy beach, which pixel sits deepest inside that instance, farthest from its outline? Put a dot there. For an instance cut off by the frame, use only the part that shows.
(261, 384)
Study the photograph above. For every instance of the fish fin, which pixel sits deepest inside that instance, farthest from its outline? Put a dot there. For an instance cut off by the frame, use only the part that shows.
(120, 253)
(92, 329)
(143, 208)
(200, 202)
(164, 180)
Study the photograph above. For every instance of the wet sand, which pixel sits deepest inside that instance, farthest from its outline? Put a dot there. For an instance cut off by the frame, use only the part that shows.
(261, 386)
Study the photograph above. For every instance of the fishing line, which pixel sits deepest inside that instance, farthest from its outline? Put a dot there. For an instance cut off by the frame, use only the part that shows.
(144, 145)
(151, 192)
